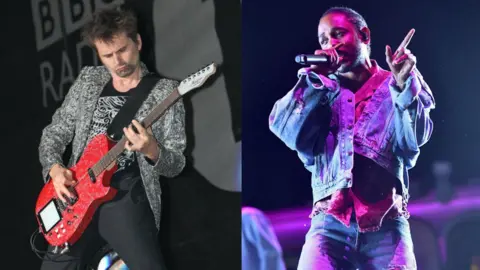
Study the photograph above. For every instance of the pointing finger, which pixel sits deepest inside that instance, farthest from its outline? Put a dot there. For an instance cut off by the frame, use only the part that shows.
(406, 40)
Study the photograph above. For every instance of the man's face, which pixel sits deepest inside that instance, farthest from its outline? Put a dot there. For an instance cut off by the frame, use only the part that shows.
(121, 55)
(335, 28)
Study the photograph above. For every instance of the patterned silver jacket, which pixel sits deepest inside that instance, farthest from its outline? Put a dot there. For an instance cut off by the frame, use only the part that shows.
(71, 122)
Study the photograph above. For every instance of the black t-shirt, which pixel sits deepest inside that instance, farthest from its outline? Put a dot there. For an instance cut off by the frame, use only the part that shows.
(108, 105)
(372, 182)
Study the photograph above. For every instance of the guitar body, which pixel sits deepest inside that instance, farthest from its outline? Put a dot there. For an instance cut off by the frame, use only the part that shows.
(64, 224)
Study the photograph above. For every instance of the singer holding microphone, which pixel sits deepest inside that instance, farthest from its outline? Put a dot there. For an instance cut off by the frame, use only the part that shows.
(358, 129)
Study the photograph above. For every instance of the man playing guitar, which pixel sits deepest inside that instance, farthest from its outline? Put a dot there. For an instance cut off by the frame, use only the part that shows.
(129, 222)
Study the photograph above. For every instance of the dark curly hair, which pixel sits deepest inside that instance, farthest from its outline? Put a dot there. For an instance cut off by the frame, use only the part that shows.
(108, 23)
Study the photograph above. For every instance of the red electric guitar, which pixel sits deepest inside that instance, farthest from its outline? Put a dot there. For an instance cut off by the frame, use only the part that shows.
(62, 224)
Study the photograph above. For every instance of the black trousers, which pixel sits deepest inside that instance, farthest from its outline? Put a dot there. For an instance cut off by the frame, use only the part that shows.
(127, 224)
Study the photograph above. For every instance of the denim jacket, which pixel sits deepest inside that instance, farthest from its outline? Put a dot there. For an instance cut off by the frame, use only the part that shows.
(317, 120)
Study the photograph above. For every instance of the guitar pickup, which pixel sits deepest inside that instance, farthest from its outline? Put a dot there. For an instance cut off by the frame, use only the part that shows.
(73, 200)
(70, 201)
(92, 175)
(61, 205)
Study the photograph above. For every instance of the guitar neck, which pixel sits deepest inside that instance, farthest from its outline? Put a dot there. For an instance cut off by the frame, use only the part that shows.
(153, 116)
(159, 110)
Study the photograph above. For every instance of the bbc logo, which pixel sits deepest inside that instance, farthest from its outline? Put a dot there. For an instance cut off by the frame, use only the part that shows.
(52, 18)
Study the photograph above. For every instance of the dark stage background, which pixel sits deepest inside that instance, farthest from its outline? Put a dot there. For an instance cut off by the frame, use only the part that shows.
(41, 54)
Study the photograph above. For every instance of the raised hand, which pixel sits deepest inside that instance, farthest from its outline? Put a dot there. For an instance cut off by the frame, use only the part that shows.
(402, 62)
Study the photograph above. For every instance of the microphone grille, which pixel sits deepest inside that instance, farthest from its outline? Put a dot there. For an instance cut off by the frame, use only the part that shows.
(300, 59)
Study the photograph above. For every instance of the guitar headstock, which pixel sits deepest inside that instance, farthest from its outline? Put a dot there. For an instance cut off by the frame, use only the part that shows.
(197, 79)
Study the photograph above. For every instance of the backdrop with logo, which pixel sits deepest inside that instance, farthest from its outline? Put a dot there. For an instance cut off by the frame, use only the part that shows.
(42, 59)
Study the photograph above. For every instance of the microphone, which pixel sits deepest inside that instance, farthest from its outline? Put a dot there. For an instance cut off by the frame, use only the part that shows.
(311, 59)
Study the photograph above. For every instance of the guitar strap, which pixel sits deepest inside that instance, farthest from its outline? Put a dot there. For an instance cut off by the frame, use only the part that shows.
(126, 114)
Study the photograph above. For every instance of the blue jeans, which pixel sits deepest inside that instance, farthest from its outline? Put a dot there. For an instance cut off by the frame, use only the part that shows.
(329, 244)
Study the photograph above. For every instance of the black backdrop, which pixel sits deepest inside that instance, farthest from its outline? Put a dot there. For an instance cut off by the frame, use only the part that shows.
(200, 222)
